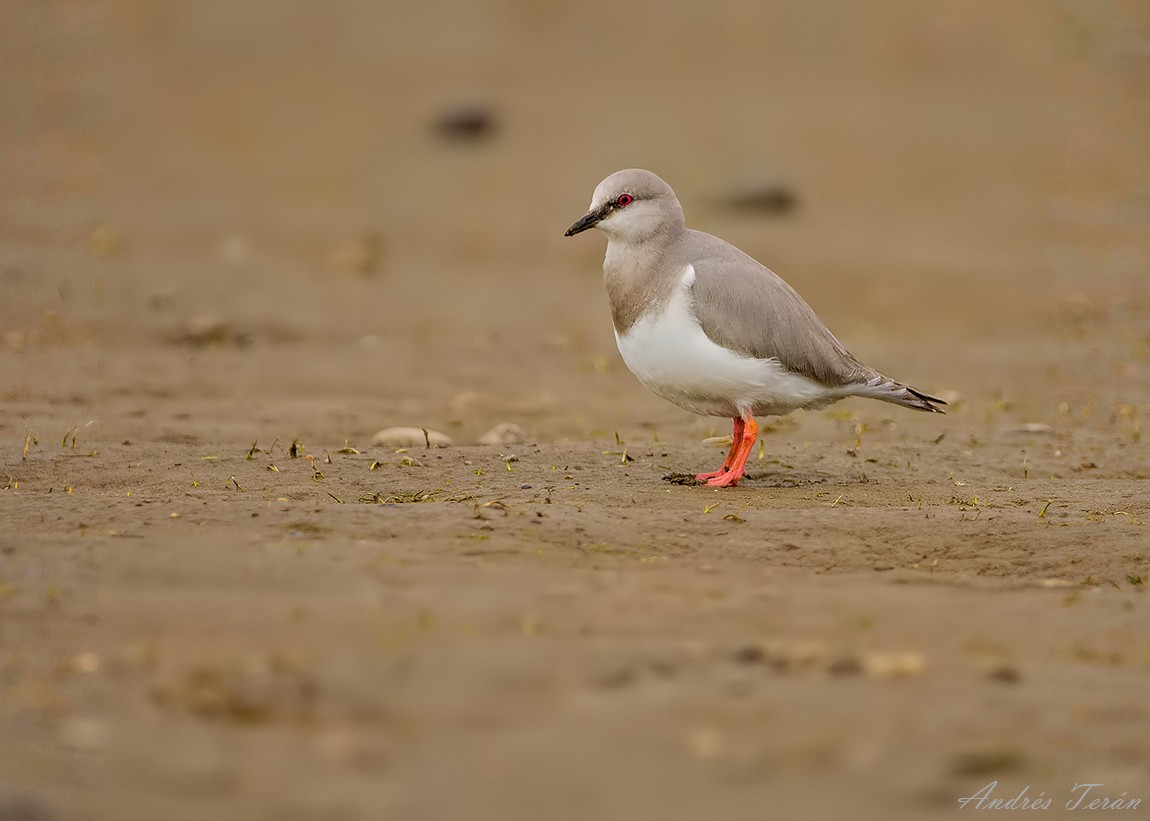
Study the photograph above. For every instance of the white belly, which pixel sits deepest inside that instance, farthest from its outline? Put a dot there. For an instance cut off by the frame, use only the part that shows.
(669, 353)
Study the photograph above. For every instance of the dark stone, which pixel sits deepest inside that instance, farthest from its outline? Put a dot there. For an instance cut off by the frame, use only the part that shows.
(466, 123)
(750, 654)
(771, 198)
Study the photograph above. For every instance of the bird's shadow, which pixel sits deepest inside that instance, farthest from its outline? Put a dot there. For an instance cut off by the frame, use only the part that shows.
(767, 478)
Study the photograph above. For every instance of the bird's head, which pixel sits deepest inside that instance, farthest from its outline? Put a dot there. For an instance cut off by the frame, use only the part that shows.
(632, 206)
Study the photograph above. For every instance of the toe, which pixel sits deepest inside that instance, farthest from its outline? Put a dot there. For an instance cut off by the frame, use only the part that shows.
(703, 477)
(729, 479)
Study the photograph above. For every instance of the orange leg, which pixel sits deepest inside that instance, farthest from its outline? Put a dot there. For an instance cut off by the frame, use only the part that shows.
(737, 468)
(736, 439)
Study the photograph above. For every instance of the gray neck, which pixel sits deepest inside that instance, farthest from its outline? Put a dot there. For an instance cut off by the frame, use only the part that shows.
(641, 273)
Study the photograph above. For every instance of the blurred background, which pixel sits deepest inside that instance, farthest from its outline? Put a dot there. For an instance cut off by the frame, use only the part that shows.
(370, 198)
(223, 222)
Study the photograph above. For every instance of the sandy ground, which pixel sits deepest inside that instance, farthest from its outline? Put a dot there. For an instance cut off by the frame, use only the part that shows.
(895, 610)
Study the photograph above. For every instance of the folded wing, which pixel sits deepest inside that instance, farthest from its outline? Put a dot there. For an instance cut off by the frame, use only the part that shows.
(744, 306)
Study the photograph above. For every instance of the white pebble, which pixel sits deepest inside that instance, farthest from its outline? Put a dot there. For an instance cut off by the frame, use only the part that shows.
(1037, 428)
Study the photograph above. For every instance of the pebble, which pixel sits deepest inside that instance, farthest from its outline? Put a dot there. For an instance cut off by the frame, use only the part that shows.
(893, 665)
(982, 761)
(410, 438)
(764, 197)
(202, 331)
(750, 654)
(1005, 673)
(466, 123)
(505, 433)
(1037, 428)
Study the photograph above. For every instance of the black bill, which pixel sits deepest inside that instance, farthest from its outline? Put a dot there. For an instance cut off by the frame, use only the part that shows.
(586, 221)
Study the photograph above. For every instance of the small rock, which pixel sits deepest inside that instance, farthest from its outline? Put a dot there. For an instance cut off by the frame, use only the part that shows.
(203, 331)
(1030, 428)
(505, 433)
(894, 665)
(1005, 673)
(410, 438)
(763, 196)
(987, 760)
(750, 654)
(466, 123)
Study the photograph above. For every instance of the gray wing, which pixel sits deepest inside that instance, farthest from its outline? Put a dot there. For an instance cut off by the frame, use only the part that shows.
(744, 306)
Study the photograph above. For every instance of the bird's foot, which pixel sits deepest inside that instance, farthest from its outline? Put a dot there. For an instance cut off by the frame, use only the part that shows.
(728, 478)
(703, 477)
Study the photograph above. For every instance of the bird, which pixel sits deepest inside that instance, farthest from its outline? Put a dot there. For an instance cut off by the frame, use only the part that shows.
(711, 329)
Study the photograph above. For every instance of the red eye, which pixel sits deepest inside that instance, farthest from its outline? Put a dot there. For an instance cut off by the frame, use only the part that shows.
(625, 199)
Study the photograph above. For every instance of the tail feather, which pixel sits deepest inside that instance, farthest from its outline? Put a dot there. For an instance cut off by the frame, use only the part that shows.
(888, 390)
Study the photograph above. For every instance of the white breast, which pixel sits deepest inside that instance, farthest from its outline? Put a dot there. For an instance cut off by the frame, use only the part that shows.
(669, 353)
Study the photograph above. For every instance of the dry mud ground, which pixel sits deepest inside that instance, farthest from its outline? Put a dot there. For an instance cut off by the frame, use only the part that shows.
(895, 610)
